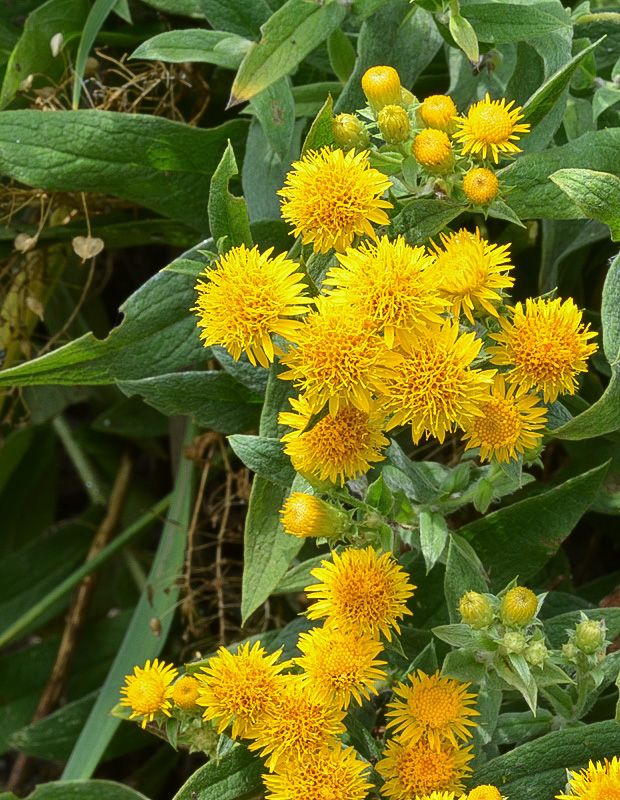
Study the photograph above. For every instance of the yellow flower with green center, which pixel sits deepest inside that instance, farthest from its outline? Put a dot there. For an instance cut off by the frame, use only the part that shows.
(391, 284)
(485, 792)
(438, 111)
(433, 708)
(360, 591)
(434, 388)
(238, 687)
(331, 197)
(415, 768)
(480, 186)
(185, 693)
(598, 781)
(296, 723)
(510, 423)
(147, 692)
(545, 344)
(470, 273)
(304, 515)
(246, 298)
(340, 665)
(518, 606)
(381, 85)
(336, 448)
(335, 774)
(491, 126)
(432, 149)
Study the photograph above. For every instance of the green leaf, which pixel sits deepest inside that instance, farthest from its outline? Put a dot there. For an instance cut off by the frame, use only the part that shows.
(235, 775)
(421, 483)
(287, 37)
(597, 194)
(299, 576)
(421, 219)
(560, 240)
(320, 133)
(85, 790)
(154, 162)
(464, 573)
(517, 727)
(500, 22)
(228, 215)
(195, 45)
(275, 109)
(457, 634)
(464, 36)
(245, 18)
(265, 457)
(433, 536)
(341, 54)
(96, 17)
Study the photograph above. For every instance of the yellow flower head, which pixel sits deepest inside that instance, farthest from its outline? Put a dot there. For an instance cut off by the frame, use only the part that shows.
(394, 124)
(337, 357)
(546, 344)
(441, 796)
(485, 792)
(330, 197)
(296, 723)
(491, 125)
(248, 297)
(304, 515)
(381, 85)
(438, 111)
(327, 775)
(511, 422)
(433, 708)
(238, 688)
(340, 665)
(469, 271)
(599, 781)
(518, 606)
(337, 448)
(185, 693)
(432, 149)
(415, 768)
(360, 591)
(434, 388)
(480, 186)
(391, 284)
(148, 690)
(476, 610)
(349, 131)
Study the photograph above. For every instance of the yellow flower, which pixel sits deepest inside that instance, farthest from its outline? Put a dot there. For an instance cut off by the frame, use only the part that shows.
(349, 131)
(441, 796)
(432, 708)
(433, 388)
(337, 448)
(148, 690)
(340, 666)
(330, 197)
(432, 149)
(304, 515)
(511, 423)
(546, 345)
(476, 610)
(381, 85)
(296, 723)
(438, 111)
(491, 125)
(469, 271)
(518, 606)
(599, 781)
(480, 186)
(485, 792)
(327, 775)
(415, 768)
(391, 284)
(337, 357)
(185, 693)
(248, 297)
(393, 122)
(360, 591)
(238, 688)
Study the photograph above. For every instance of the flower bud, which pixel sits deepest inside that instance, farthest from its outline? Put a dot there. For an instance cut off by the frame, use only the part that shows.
(185, 692)
(381, 86)
(304, 515)
(350, 132)
(480, 186)
(476, 610)
(589, 636)
(518, 606)
(536, 654)
(432, 149)
(514, 642)
(394, 124)
(485, 792)
(438, 111)
(569, 651)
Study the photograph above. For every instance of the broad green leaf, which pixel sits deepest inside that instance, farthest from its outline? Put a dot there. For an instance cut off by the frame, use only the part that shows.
(341, 54)
(252, 377)
(561, 239)
(228, 215)
(604, 98)
(96, 17)
(155, 162)
(517, 727)
(361, 9)
(310, 98)
(501, 22)
(265, 457)
(320, 133)
(421, 219)
(130, 417)
(85, 790)
(597, 194)
(299, 576)
(433, 536)
(274, 108)
(287, 37)
(424, 487)
(234, 776)
(464, 573)
(542, 523)
(464, 36)
(243, 18)
(195, 45)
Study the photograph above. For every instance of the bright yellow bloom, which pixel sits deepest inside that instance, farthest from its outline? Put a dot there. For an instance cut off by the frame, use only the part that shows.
(381, 85)
(434, 388)
(518, 606)
(330, 197)
(546, 345)
(476, 610)
(304, 515)
(391, 284)
(337, 448)
(599, 781)
(480, 186)
(441, 796)
(432, 708)
(469, 271)
(337, 357)
(238, 687)
(416, 768)
(185, 693)
(394, 124)
(296, 723)
(340, 665)
(432, 149)
(148, 690)
(360, 591)
(248, 297)
(511, 422)
(327, 775)
(491, 125)
(438, 111)
(349, 131)
(485, 792)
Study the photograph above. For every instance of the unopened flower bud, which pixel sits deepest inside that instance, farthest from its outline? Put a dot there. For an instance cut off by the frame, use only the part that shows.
(589, 636)
(569, 651)
(393, 122)
(350, 132)
(438, 111)
(381, 86)
(304, 515)
(432, 149)
(480, 186)
(518, 606)
(514, 642)
(185, 692)
(485, 792)
(476, 610)
(536, 654)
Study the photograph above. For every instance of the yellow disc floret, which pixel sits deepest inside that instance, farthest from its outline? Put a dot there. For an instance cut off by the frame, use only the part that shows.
(381, 85)
(438, 111)
(432, 149)
(491, 126)
(148, 690)
(480, 186)
(484, 792)
(518, 606)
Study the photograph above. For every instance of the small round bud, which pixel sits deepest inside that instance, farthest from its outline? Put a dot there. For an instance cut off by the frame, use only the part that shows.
(485, 792)
(476, 610)
(432, 149)
(589, 636)
(514, 642)
(394, 124)
(438, 111)
(569, 651)
(480, 186)
(350, 132)
(304, 515)
(381, 86)
(518, 606)
(536, 654)
(185, 692)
